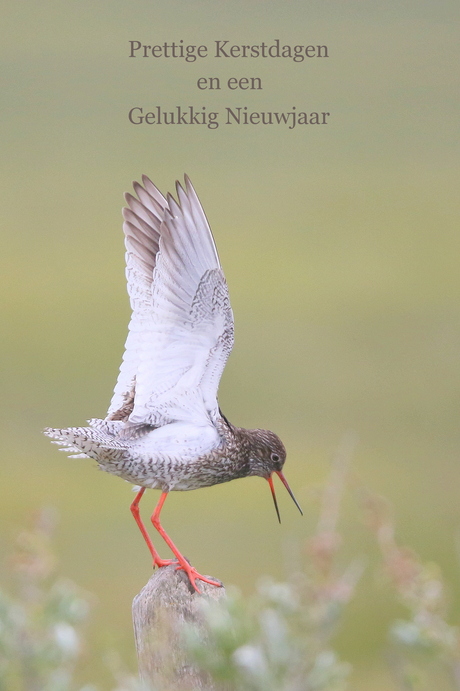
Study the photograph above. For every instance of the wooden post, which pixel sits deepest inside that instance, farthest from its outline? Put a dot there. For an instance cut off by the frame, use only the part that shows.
(159, 611)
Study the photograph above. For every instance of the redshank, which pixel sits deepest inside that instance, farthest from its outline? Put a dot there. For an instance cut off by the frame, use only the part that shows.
(164, 428)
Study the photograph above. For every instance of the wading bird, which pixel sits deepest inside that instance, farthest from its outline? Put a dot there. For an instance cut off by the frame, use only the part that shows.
(164, 428)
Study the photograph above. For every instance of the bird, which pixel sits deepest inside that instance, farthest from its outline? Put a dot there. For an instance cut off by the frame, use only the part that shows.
(164, 428)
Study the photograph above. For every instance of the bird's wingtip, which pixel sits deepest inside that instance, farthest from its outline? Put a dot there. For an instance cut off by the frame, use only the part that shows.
(179, 188)
(188, 184)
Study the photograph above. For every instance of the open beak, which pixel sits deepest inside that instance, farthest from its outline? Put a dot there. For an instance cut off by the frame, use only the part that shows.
(285, 483)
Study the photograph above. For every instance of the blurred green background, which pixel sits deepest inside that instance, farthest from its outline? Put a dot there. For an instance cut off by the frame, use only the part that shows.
(340, 245)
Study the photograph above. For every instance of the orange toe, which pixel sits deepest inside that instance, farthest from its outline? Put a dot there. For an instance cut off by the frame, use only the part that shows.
(163, 562)
(193, 575)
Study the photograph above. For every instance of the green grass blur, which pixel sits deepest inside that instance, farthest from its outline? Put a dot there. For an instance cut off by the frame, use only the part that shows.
(340, 245)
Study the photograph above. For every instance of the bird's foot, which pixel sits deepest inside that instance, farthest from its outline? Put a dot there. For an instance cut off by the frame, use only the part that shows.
(193, 575)
(159, 563)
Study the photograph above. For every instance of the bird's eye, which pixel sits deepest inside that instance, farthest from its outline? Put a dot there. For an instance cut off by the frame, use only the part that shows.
(275, 458)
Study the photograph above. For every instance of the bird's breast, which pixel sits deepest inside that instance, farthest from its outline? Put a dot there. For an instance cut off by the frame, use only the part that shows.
(170, 457)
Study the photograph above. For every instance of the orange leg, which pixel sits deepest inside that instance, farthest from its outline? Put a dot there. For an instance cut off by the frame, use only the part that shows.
(183, 563)
(135, 511)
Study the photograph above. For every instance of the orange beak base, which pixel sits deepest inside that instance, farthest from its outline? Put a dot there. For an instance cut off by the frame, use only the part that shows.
(291, 494)
(270, 482)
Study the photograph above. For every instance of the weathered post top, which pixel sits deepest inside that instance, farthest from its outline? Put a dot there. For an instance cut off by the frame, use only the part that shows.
(159, 612)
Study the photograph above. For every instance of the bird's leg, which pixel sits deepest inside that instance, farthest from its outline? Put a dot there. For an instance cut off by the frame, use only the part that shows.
(191, 572)
(135, 511)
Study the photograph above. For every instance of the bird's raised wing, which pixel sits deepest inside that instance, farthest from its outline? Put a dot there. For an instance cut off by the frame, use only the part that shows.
(142, 221)
(181, 331)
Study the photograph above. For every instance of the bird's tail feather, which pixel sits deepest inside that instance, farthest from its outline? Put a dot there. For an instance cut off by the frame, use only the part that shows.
(97, 441)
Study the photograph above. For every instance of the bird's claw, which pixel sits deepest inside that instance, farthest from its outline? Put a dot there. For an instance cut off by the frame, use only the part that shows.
(193, 575)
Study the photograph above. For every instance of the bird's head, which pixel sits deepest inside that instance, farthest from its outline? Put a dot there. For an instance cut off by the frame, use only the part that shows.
(267, 456)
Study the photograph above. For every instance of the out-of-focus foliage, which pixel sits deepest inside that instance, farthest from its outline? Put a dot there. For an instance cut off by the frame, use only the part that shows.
(41, 619)
(423, 642)
(270, 643)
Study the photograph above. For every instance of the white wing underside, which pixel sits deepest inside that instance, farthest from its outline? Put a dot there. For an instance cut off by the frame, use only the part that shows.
(181, 329)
